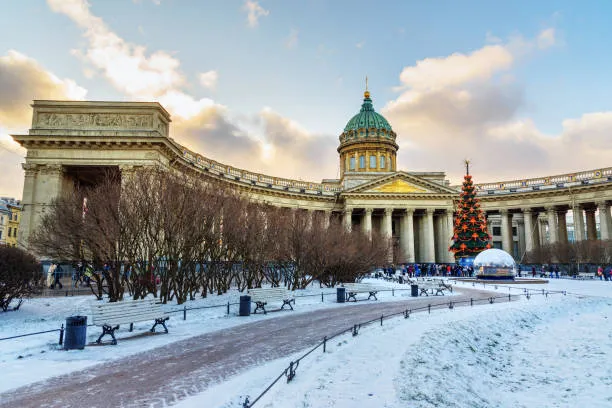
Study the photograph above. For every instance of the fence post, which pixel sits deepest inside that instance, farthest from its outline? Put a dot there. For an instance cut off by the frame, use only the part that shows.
(228, 305)
(392, 291)
(381, 319)
(324, 343)
(491, 300)
(429, 308)
(321, 296)
(450, 305)
(406, 314)
(185, 312)
(355, 331)
(61, 339)
(509, 297)
(471, 301)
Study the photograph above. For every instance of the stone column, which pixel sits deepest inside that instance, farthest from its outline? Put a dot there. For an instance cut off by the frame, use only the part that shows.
(520, 234)
(348, 222)
(529, 229)
(579, 234)
(28, 214)
(407, 235)
(551, 216)
(562, 225)
(385, 227)
(309, 217)
(450, 256)
(605, 223)
(591, 223)
(387, 231)
(367, 222)
(430, 254)
(506, 230)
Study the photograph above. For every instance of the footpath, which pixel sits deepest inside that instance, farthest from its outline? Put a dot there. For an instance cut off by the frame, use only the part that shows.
(168, 374)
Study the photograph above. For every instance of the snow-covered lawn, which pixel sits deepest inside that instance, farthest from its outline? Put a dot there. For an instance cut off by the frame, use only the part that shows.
(546, 351)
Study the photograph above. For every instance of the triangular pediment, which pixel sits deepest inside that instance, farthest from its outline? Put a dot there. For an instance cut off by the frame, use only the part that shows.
(400, 183)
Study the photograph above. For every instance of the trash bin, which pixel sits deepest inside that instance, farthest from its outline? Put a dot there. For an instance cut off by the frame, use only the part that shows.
(340, 294)
(76, 333)
(245, 306)
(414, 290)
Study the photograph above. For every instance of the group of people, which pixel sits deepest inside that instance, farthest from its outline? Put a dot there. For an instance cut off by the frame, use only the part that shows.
(81, 274)
(416, 270)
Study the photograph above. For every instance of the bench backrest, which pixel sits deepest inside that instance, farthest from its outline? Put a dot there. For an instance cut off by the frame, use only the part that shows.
(359, 287)
(263, 294)
(127, 311)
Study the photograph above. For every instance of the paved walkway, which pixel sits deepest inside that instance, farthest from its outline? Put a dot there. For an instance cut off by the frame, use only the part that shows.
(167, 374)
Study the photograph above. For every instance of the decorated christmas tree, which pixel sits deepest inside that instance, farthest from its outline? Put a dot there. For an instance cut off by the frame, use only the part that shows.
(470, 235)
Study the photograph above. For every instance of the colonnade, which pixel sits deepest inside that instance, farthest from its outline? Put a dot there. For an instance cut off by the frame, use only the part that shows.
(536, 222)
(423, 234)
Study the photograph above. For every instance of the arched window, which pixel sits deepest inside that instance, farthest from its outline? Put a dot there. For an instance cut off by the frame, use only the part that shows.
(372, 162)
(382, 162)
(352, 163)
(362, 162)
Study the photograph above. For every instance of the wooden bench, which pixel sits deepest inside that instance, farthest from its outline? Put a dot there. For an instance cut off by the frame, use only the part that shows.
(352, 289)
(111, 315)
(261, 297)
(435, 288)
(586, 275)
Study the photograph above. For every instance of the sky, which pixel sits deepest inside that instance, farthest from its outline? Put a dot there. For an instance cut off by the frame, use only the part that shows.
(520, 88)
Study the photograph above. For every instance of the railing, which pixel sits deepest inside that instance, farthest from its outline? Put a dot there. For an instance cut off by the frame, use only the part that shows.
(550, 182)
(499, 187)
(254, 178)
(291, 371)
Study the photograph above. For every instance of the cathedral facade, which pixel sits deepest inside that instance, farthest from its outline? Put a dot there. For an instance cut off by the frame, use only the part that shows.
(73, 142)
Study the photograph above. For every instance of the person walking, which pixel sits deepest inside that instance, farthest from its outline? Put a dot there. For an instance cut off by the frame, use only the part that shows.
(57, 276)
(50, 275)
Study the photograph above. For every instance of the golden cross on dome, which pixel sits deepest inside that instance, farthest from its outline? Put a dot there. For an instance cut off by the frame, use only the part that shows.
(366, 94)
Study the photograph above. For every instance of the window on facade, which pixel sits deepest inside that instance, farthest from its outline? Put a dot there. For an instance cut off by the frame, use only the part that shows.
(496, 230)
(372, 162)
(362, 162)
(15, 233)
(9, 231)
(382, 162)
(352, 163)
(514, 232)
(497, 244)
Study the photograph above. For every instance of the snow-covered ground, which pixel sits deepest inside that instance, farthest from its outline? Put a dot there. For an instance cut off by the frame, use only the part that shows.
(546, 351)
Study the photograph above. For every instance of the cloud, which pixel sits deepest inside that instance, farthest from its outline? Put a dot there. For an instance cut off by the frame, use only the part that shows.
(467, 106)
(23, 79)
(360, 44)
(127, 66)
(254, 12)
(209, 79)
(292, 41)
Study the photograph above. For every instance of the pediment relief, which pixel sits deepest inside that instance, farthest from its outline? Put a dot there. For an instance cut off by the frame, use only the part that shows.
(400, 183)
(397, 186)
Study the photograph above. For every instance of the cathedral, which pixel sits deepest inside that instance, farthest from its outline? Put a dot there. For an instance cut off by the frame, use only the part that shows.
(74, 142)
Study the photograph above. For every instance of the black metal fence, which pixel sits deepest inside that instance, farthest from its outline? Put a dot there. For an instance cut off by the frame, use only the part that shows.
(290, 372)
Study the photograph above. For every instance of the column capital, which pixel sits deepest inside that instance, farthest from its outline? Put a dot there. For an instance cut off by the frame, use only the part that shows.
(602, 204)
(347, 210)
(388, 211)
(30, 169)
(369, 211)
(51, 169)
(590, 210)
(550, 208)
(504, 211)
(430, 211)
(527, 210)
(409, 210)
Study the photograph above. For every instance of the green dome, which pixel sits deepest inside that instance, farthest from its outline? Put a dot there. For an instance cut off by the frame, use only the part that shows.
(367, 118)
